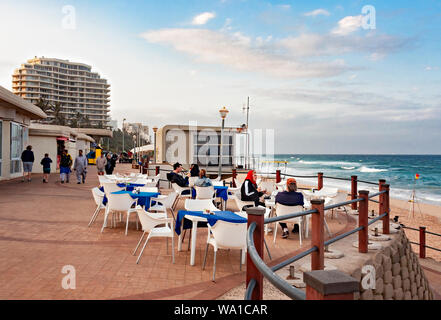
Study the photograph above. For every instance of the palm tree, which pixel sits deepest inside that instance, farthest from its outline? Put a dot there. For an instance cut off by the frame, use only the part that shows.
(59, 118)
(86, 122)
(46, 107)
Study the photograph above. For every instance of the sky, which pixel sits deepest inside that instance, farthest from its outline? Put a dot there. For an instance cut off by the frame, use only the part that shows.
(352, 77)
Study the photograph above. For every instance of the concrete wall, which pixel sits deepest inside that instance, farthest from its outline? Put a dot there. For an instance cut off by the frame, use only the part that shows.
(398, 274)
(40, 146)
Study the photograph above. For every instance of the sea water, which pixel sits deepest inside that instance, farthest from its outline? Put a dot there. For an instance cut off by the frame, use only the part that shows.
(398, 170)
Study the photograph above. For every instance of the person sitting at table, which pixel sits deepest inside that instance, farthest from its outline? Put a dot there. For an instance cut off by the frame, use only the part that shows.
(194, 170)
(176, 177)
(203, 181)
(289, 198)
(249, 190)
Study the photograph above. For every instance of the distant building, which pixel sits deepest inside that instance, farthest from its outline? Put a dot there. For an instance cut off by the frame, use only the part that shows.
(113, 124)
(15, 117)
(134, 128)
(72, 84)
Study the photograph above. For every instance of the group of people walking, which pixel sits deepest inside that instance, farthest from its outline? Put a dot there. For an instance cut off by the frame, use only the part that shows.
(66, 162)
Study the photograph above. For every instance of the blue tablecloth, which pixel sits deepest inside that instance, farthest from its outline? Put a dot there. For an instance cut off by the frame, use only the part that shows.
(211, 219)
(221, 192)
(143, 197)
(130, 186)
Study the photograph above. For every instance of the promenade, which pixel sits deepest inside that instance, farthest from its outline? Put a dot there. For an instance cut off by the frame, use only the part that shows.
(43, 227)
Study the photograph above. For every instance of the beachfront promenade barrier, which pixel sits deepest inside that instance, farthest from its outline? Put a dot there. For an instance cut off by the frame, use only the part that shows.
(317, 279)
(422, 244)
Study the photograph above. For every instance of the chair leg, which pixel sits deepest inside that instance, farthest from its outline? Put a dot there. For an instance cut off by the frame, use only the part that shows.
(93, 216)
(300, 232)
(106, 215)
(214, 266)
(173, 249)
(127, 221)
(189, 240)
(205, 257)
(240, 260)
(96, 216)
(140, 254)
(139, 242)
(275, 232)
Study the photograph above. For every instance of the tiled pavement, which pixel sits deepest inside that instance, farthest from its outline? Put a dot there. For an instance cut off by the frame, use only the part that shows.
(43, 227)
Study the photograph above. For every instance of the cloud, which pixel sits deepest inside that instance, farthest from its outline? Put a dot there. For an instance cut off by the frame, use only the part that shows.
(431, 68)
(203, 18)
(242, 53)
(348, 25)
(317, 12)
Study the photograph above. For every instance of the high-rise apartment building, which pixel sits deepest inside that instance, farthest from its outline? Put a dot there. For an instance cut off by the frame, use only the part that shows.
(135, 128)
(72, 84)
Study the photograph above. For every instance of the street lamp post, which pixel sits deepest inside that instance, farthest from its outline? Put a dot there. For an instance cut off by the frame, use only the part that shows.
(154, 150)
(123, 133)
(134, 149)
(223, 113)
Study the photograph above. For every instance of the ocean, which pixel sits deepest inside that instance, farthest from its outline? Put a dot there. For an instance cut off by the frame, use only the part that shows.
(398, 170)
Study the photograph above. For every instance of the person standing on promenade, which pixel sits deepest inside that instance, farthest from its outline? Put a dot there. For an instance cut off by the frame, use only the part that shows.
(27, 157)
(80, 166)
(101, 164)
(46, 163)
(249, 190)
(65, 164)
(110, 165)
(289, 198)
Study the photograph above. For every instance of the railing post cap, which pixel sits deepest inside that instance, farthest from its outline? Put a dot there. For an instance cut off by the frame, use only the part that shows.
(329, 282)
(255, 211)
(386, 185)
(320, 173)
(422, 228)
(363, 192)
(354, 177)
(382, 180)
(317, 201)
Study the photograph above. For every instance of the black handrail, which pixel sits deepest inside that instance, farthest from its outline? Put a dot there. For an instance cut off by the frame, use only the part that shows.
(373, 195)
(294, 259)
(342, 236)
(377, 218)
(289, 216)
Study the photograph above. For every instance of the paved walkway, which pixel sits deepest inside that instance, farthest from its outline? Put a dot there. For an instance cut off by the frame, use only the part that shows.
(43, 227)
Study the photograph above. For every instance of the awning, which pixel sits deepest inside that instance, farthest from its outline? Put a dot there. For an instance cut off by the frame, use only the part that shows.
(62, 138)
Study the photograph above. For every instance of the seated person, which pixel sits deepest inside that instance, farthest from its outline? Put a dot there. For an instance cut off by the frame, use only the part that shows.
(194, 170)
(249, 190)
(176, 177)
(203, 181)
(289, 198)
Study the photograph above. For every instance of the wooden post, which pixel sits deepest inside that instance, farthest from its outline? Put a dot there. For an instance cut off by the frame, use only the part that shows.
(234, 177)
(278, 177)
(256, 214)
(157, 170)
(317, 234)
(363, 209)
(320, 181)
(423, 242)
(386, 208)
(354, 192)
(330, 285)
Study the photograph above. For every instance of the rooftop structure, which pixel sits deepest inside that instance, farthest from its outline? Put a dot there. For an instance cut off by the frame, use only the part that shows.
(73, 85)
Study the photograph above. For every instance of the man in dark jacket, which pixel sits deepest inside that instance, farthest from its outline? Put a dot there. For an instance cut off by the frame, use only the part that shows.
(65, 164)
(27, 157)
(289, 198)
(176, 177)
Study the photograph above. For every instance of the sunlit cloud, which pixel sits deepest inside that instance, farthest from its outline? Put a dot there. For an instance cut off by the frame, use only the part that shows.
(348, 25)
(203, 18)
(317, 12)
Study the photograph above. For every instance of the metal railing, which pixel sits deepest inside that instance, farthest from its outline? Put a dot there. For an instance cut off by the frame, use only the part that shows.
(317, 243)
(422, 244)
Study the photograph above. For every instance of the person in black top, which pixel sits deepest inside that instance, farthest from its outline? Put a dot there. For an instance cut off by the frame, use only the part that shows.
(289, 198)
(27, 157)
(194, 170)
(46, 163)
(176, 177)
(249, 190)
(110, 165)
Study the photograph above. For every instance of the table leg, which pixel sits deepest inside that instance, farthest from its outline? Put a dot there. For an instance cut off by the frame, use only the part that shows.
(180, 239)
(193, 242)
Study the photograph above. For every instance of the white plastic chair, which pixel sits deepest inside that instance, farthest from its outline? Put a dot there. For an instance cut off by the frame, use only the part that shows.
(240, 203)
(110, 187)
(147, 189)
(150, 222)
(164, 203)
(121, 203)
(205, 192)
(98, 196)
(217, 183)
(179, 190)
(140, 181)
(103, 179)
(282, 210)
(192, 180)
(339, 198)
(199, 205)
(226, 235)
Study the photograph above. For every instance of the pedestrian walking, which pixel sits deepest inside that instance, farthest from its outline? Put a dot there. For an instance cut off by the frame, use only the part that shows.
(80, 166)
(46, 163)
(65, 164)
(27, 157)
(101, 164)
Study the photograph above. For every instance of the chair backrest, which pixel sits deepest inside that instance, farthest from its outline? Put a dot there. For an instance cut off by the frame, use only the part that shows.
(119, 202)
(111, 187)
(327, 191)
(217, 183)
(148, 189)
(240, 203)
(267, 185)
(340, 197)
(150, 220)
(170, 200)
(140, 181)
(191, 181)
(230, 235)
(98, 196)
(103, 179)
(282, 210)
(177, 188)
(199, 205)
(204, 192)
